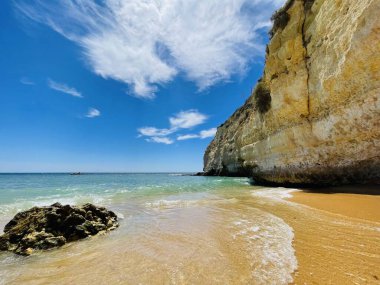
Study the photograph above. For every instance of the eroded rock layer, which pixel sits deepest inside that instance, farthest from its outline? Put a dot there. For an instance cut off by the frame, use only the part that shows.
(314, 117)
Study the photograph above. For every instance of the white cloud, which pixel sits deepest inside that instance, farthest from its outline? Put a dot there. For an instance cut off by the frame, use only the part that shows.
(207, 133)
(26, 81)
(182, 120)
(202, 135)
(187, 137)
(154, 132)
(187, 119)
(64, 88)
(163, 140)
(147, 43)
(92, 113)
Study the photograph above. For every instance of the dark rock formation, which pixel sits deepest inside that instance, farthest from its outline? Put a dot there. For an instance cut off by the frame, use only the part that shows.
(52, 226)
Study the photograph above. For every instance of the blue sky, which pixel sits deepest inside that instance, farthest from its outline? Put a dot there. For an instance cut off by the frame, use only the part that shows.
(129, 86)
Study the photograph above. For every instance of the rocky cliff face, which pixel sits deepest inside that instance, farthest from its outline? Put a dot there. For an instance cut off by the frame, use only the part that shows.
(314, 117)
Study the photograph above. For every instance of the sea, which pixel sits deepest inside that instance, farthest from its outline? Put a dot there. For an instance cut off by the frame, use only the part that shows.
(174, 229)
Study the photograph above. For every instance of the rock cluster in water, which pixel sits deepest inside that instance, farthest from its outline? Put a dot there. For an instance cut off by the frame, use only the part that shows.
(46, 227)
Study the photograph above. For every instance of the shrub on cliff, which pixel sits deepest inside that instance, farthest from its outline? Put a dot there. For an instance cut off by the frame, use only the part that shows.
(280, 18)
(262, 98)
(308, 4)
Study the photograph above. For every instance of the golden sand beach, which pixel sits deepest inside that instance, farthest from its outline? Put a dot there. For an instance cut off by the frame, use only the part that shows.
(236, 235)
(336, 243)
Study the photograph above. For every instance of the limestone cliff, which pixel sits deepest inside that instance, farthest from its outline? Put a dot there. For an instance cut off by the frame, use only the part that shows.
(314, 117)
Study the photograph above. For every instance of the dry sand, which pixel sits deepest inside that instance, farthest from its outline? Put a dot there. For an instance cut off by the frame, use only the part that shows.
(338, 242)
(366, 207)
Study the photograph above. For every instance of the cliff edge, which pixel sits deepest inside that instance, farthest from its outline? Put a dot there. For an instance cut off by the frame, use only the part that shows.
(314, 116)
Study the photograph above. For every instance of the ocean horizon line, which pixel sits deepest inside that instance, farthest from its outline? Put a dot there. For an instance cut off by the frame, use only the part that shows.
(101, 172)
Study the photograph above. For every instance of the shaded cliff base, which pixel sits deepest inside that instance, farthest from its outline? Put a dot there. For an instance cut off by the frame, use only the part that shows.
(366, 172)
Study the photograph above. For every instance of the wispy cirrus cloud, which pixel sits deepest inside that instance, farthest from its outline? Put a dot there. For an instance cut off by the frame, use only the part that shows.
(27, 81)
(154, 132)
(202, 135)
(147, 43)
(61, 87)
(187, 137)
(92, 113)
(180, 121)
(164, 140)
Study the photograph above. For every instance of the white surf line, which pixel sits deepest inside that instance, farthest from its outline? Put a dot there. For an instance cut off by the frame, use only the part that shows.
(269, 242)
(279, 194)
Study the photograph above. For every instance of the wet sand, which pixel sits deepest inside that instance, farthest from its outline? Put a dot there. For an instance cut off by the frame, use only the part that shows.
(247, 235)
(338, 240)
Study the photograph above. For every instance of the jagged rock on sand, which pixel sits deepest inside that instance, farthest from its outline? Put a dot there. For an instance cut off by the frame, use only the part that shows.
(46, 227)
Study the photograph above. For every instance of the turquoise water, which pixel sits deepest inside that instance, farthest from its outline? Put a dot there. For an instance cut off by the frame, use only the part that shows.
(22, 191)
(174, 229)
(178, 229)
(19, 186)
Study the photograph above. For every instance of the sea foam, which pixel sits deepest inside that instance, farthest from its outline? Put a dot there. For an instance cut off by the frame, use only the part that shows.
(185, 203)
(275, 193)
(268, 241)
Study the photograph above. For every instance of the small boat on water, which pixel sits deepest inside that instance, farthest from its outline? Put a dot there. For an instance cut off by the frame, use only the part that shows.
(76, 173)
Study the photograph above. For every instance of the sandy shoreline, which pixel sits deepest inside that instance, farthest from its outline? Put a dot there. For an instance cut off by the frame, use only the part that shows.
(337, 241)
(360, 206)
(243, 235)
